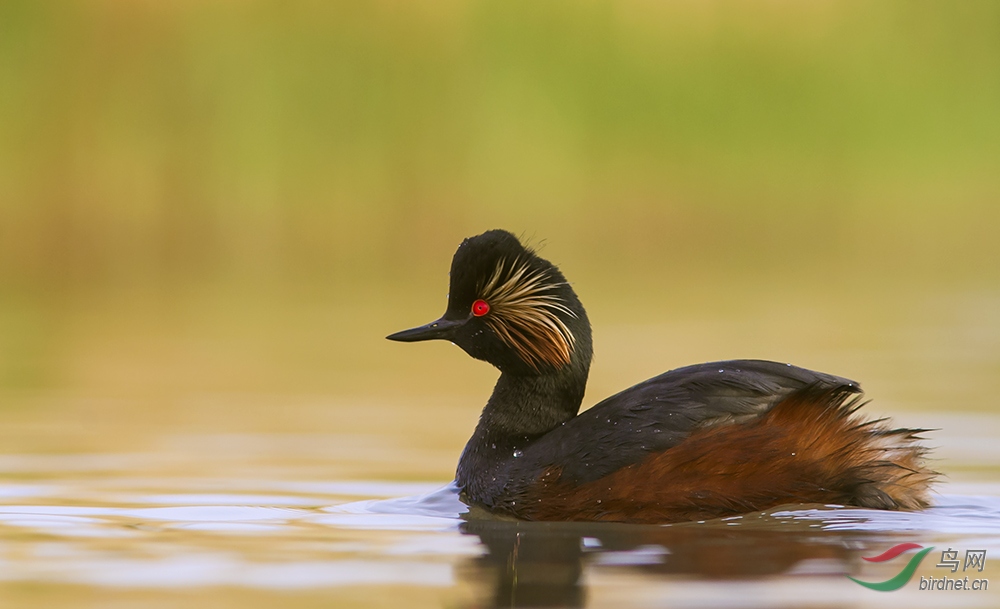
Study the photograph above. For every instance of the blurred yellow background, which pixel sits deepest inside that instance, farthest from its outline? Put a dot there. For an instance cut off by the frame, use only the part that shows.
(213, 211)
(241, 199)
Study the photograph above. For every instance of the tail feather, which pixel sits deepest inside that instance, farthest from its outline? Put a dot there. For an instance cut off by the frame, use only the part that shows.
(876, 465)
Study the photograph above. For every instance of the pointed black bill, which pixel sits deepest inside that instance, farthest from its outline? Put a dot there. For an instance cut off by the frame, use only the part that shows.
(440, 329)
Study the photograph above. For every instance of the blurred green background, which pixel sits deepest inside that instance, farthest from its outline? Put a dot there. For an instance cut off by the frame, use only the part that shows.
(243, 197)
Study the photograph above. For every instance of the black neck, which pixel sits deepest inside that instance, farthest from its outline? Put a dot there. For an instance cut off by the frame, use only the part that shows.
(521, 409)
(531, 405)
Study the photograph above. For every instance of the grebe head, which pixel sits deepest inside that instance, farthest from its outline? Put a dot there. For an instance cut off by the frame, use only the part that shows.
(512, 308)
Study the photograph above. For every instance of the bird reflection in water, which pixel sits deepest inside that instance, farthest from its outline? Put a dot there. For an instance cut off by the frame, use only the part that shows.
(541, 564)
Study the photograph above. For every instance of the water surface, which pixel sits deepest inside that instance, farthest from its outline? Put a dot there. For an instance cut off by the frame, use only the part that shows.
(86, 528)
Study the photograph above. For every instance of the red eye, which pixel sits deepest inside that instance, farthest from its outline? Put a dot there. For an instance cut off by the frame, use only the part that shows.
(480, 308)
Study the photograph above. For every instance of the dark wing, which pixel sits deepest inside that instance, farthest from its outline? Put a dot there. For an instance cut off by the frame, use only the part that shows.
(659, 413)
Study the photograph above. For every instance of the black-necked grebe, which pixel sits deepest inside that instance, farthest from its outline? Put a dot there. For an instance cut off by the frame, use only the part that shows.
(699, 442)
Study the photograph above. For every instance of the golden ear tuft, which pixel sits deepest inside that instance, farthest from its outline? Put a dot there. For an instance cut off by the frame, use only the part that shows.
(524, 313)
